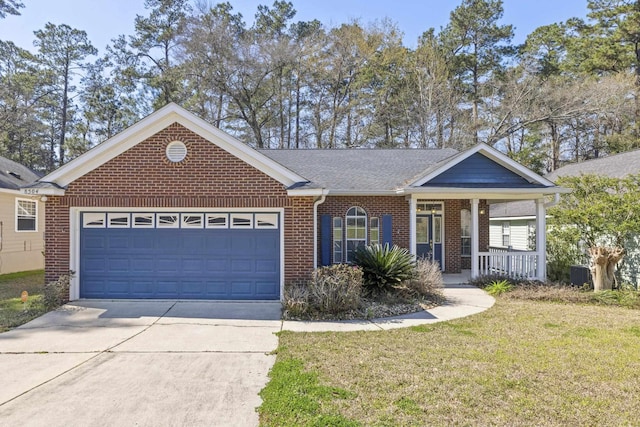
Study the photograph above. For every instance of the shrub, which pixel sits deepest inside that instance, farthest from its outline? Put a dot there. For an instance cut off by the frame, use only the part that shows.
(57, 293)
(332, 290)
(486, 280)
(426, 280)
(496, 288)
(296, 299)
(384, 266)
(336, 289)
(562, 253)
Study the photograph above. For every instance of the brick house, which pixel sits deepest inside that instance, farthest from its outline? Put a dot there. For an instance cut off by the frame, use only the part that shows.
(173, 207)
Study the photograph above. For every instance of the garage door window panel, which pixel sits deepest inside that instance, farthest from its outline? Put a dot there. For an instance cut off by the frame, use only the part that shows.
(94, 220)
(192, 221)
(118, 220)
(241, 220)
(217, 221)
(168, 220)
(144, 220)
(267, 221)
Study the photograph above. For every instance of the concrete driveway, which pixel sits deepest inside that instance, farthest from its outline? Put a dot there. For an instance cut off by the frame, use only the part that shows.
(139, 363)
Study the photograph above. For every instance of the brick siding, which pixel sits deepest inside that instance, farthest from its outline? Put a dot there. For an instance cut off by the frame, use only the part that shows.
(374, 206)
(209, 177)
(398, 207)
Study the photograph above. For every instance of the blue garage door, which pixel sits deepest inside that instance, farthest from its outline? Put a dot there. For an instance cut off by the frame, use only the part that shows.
(223, 256)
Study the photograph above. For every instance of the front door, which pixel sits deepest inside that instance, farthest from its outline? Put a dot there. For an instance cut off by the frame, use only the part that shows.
(429, 235)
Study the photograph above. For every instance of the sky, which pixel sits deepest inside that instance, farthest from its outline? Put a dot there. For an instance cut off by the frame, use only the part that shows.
(104, 20)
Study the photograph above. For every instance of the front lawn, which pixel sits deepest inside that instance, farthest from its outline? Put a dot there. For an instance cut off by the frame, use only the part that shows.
(519, 363)
(12, 311)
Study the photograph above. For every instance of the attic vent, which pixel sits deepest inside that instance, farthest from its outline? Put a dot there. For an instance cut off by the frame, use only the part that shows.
(176, 151)
(13, 174)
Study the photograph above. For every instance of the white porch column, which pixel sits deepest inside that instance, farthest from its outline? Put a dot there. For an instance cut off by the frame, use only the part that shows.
(541, 240)
(475, 237)
(413, 206)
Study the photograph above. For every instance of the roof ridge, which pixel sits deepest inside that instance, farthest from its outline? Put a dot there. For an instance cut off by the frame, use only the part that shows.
(360, 149)
(596, 159)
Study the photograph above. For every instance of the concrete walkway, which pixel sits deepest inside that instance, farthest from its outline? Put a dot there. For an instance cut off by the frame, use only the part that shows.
(150, 363)
(462, 301)
(105, 363)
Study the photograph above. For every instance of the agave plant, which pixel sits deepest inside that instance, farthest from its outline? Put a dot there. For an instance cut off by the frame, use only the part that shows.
(384, 266)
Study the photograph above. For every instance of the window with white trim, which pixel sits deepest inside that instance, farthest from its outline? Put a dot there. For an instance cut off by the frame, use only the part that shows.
(465, 232)
(506, 234)
(337, 240)
(374, 231)
(356, 228)
(26, 215)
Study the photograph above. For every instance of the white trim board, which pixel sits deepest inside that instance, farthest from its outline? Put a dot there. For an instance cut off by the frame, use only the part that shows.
(155, 123)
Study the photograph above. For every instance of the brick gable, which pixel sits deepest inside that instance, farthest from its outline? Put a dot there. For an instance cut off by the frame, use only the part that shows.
(144, 171)
(210, 177)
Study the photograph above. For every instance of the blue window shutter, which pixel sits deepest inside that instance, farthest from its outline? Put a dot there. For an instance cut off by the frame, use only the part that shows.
(325, 242)
(387, 231)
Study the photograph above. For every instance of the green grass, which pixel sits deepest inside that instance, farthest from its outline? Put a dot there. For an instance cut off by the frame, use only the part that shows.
(13, 312)
(294, 395)
(521, 363)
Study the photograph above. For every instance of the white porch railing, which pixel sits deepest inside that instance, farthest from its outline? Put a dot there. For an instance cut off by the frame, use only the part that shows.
(516, 264)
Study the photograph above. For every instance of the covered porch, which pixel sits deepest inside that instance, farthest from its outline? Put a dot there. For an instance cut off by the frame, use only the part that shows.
(471, 182)
(529, 265)
(446, 242)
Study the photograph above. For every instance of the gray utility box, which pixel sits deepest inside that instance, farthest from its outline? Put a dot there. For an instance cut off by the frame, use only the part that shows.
(579, 275)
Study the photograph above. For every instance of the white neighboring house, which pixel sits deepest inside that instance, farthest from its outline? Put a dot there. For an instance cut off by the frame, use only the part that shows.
(21, 220)
(512, 224)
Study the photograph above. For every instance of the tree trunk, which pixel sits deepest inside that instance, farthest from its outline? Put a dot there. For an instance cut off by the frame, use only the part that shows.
(297, 131)
(63, 119)
(637, 85)
(476, 96)
(603, 266)
(555, 147)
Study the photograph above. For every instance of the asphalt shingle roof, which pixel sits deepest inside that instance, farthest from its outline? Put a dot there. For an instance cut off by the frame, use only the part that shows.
(615, 166)
(361, 169)
(513, 209)
(13, 175)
